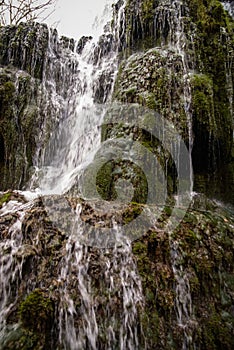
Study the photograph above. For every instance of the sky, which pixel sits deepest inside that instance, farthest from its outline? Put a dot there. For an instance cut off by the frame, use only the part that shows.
(74, 18)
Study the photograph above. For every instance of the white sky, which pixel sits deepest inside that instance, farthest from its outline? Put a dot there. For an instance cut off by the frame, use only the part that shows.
(75, 17)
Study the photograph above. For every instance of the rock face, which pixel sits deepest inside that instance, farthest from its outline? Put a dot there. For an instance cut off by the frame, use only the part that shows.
(178, 61)
(186, 277)
(36, 77)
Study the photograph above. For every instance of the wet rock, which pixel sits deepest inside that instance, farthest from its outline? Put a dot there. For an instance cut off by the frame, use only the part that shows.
(204, 244)
(81, 43)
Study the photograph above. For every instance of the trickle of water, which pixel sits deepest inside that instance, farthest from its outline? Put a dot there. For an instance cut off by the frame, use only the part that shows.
(229, 6)
(11, 262)
(180, 44)
(183, 301)
(173, 38)
(108, 309)
(76, 264)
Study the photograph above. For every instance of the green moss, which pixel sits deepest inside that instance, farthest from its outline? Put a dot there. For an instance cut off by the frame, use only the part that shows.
(19, 339)
(139, 248)
(140, 27)
(213, 44)
(203, 103)
(149, 100)
(36, 312)
(5, 198)
(150, 326)
(19, 124)
(148, 9)
(216, 331)
(113, 171)
(7, 91)
(104, 181)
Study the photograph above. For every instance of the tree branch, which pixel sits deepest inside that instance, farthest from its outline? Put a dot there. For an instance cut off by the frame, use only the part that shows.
(14, 11)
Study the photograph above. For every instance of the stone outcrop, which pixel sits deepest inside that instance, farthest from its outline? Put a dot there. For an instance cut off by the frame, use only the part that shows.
(199, 254)
(178, 60)
(34, 91)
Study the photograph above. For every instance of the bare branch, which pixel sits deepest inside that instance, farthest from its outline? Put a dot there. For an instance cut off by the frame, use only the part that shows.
(15, 11)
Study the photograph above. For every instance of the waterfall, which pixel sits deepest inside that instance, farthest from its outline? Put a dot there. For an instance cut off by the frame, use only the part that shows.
(70, 150)
(76, 80)
(90, 279)
(174, 13)
(88, 83)
(181, 46)
(183, 301)
(178, 40)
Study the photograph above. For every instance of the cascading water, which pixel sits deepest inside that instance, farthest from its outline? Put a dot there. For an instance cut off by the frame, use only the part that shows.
(70, 150)
(173, 13)
(120, 281)
(76, 83)
(183, 302)
(178, 41)
(72, 146)
(11, 263)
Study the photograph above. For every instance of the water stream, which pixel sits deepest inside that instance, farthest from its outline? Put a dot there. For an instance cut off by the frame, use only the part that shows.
(119, 282)
(178, 41)
(183, 302)
(11, 262)
(70, 150)
(74, 143)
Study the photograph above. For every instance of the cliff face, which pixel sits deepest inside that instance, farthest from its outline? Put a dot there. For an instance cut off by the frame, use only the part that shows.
(178, 60)
(36, 76)
(40, 81)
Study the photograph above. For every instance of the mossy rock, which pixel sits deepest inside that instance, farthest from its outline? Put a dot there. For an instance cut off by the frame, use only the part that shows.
(36, 312)
(4, 198)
